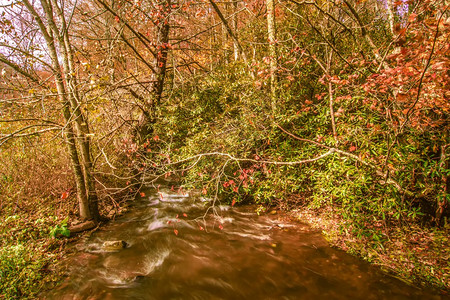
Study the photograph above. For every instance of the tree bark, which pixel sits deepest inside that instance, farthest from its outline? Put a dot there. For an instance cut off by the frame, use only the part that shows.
(71, 140)
(234, 23)
(163, 51)
(271, 30)
(81, 122)
(229, 30)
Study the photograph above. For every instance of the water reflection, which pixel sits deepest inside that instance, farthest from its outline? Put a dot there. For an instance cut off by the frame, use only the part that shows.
(175, 252)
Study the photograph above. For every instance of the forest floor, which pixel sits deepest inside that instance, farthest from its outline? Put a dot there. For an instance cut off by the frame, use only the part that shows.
(412, 253)
(29, 252)
(29, 255)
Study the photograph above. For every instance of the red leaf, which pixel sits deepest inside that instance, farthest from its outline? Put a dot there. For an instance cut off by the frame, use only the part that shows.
(184, 215)
(175, 231)
(412, 17)
(220, 227)
(352, 148)
(64, 195)
(200, 227)
(142, 194)
(117, 19)
(233, 202)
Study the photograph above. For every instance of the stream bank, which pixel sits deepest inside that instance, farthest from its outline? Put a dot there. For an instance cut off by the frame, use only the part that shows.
(416, 255)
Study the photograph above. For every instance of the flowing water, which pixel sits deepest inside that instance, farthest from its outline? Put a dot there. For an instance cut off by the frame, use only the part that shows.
(175, 251)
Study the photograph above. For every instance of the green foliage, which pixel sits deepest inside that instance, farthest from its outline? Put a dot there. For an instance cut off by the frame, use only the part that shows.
(27, 253)
(20, 271)
(60, 229)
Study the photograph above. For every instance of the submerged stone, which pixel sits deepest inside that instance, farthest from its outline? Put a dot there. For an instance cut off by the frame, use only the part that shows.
(114, 245)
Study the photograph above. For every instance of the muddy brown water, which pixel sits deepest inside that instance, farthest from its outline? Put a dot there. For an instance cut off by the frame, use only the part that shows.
(231, 253)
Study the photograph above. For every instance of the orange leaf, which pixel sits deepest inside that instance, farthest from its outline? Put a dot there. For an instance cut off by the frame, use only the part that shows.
(175, 231)
(64, 195)
(233, 202)
(220, 227)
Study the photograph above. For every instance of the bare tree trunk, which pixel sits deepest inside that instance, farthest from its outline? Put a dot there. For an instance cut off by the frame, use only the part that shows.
(330, 94)
(235, 29)
(271, 30)
(442, 204)
(163, 51)
(229, 30)
(81, 123)
(80, 174)
(390, 12)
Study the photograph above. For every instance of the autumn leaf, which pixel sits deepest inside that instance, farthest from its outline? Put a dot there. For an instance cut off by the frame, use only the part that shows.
(185, 215)
(412, 17)
(64, 195)
(142, 194)
(233, 202)
(220, 227)
(175, 231)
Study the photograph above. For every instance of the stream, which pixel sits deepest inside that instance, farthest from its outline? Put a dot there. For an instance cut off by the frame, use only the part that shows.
(176, 251)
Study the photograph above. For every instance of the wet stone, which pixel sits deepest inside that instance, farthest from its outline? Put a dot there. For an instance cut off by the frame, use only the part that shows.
(114, 245)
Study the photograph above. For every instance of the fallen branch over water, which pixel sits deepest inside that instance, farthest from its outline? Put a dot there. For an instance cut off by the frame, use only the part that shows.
(331, 150)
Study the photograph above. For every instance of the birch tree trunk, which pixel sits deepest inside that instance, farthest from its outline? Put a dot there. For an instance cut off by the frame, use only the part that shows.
(271, 30)
(234, 24)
